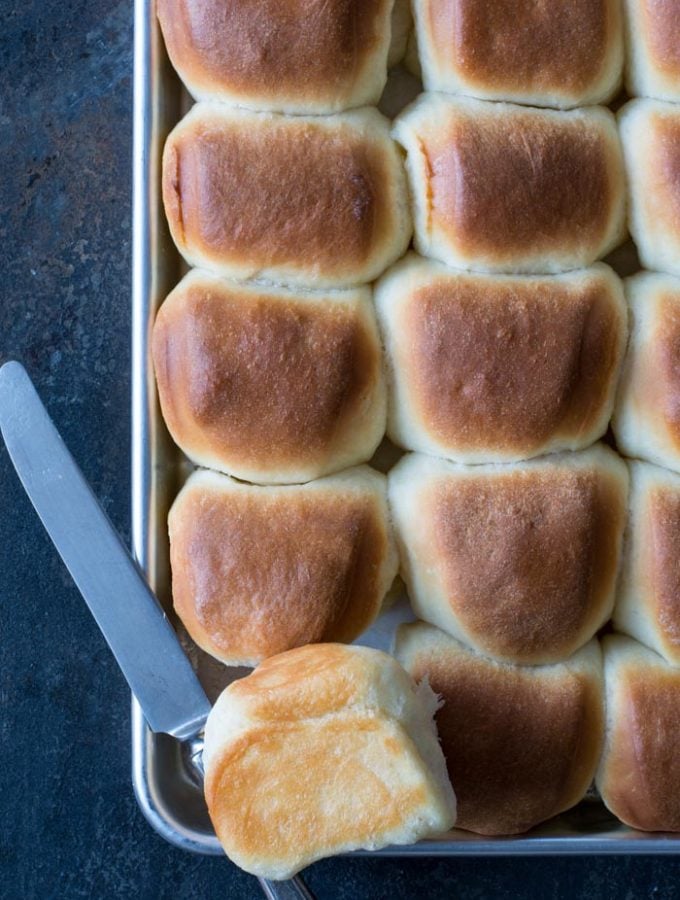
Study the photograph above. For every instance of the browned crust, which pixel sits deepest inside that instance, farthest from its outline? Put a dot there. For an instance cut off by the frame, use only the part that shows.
(262, 380)
(641, 783)
(295, 685)
(661, 22)
(663, 166)
(528, 558)
(657, 371)
(662, 546)
(522, 182)
(255, 573)
(553, 347)
(279, 192)
(270, 793)
(298, 49)
(551, 46)
(519, 748)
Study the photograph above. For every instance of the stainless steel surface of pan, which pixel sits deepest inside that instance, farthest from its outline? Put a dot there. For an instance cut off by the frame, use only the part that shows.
(166, 781)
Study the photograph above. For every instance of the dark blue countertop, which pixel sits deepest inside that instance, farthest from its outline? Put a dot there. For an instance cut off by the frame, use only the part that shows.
(69, 824)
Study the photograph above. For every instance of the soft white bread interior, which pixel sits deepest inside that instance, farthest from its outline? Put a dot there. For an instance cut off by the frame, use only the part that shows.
(268, 384)
(521, 742)
(314, 200)
(648, 601)
(322, 56)
(639, 773)
(518, 561)
(260, 570)
(323, 750)
(563, 53)
(646, 418)
(650, 135)
(498, 368)
(653, 48)
(498, 187)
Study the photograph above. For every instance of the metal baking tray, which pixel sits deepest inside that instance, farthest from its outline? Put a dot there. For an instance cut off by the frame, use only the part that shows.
(165, 782)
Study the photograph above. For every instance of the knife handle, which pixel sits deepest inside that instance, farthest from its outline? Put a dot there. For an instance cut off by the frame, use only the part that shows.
(293, 889)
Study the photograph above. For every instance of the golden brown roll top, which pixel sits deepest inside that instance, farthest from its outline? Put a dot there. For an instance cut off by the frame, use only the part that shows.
(650, 134)
(521, 742)
(498, 187)
(647, 415)
(322, 750)
(639, 774)
(648, 601)
(259, 570)
(268, 384)
(559, 53)
(653, 48)
(318, 201)
(293, 56)
(492, 368)
(518, 561)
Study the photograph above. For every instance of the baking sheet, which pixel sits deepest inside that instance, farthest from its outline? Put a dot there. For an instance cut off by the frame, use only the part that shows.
(166, 783)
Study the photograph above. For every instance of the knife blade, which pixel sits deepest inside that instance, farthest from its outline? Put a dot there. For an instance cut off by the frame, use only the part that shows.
(127, 612)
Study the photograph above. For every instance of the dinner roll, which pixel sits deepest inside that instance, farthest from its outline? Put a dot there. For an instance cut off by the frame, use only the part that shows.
(492, 368)
(558, 53)
(521, 742)
(648, 602)
(650, 133)
(498, 187)
(647, 415)
(269, 384)
(518, 561)
(322, 750)
(308, 200)
(259, 570)
(639, 773)
(653, 48)
(294, 56)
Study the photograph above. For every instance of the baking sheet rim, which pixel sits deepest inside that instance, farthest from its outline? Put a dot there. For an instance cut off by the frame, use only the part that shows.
(148, 782)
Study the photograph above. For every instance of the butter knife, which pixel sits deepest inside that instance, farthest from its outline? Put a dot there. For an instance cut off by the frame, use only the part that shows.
(113, 586)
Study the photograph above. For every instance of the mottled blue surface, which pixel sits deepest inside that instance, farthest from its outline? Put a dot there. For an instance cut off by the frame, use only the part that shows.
(69, 826)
